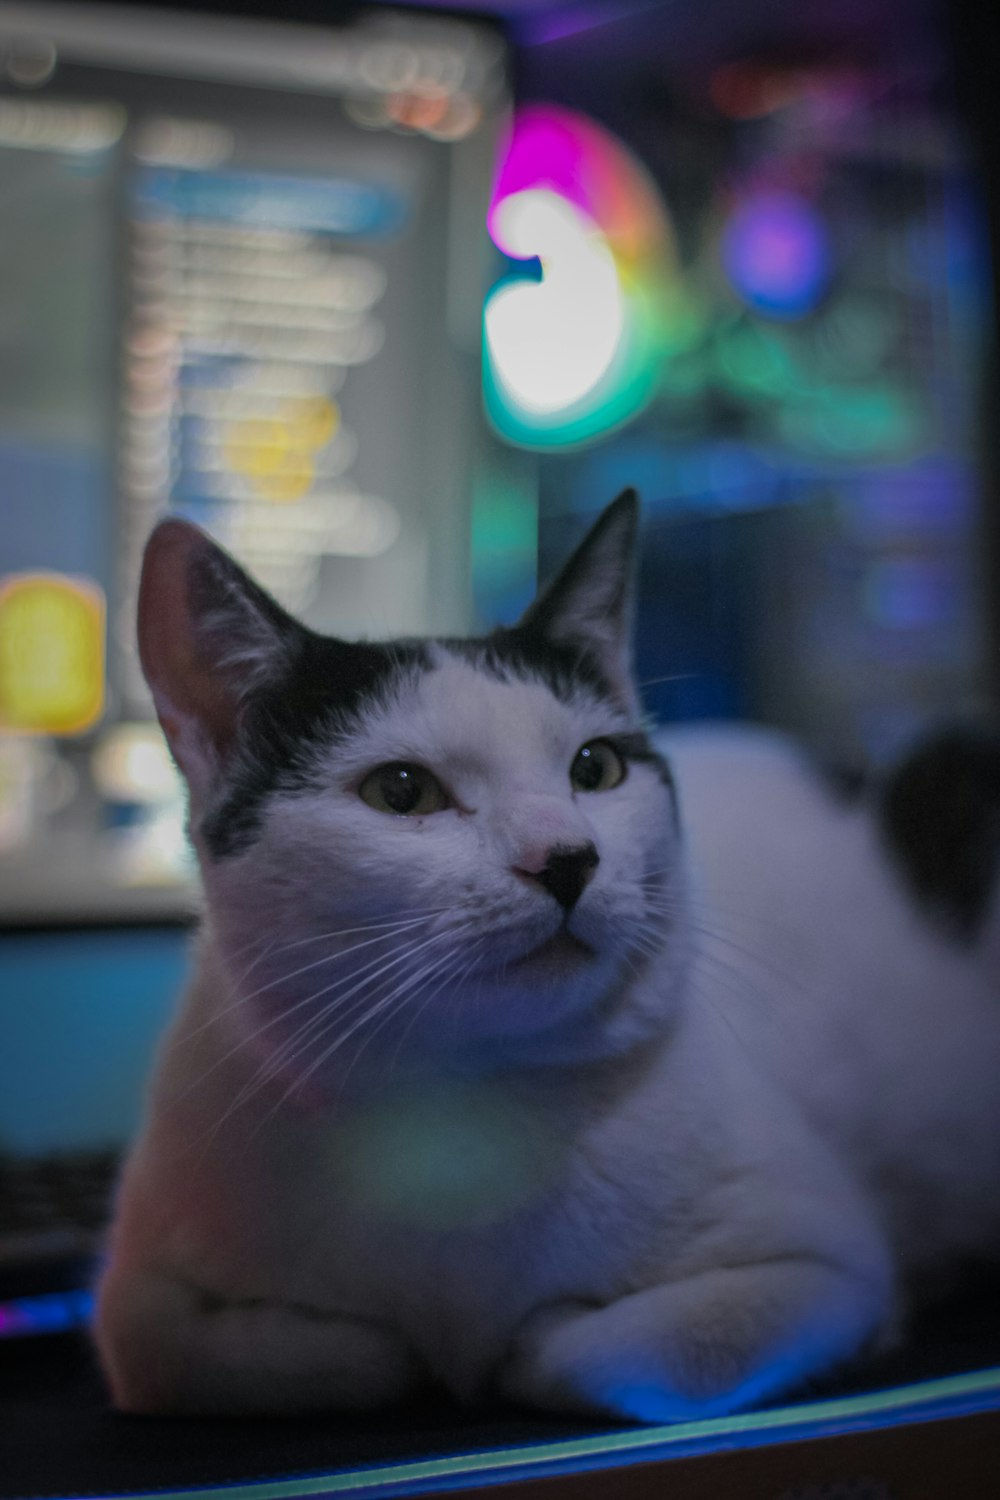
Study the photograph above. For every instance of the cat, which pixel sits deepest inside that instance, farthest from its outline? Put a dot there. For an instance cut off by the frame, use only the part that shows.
(530, 1053)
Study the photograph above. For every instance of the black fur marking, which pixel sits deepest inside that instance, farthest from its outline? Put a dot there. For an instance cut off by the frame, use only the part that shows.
(638, 747)
(323, 694)
(591, 595)
(526, 653)
(941, 818)
(282, 727)
(328, 686)
(848, 781)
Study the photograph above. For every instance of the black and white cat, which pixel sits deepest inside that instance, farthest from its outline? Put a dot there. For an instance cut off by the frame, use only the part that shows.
(526, 1052)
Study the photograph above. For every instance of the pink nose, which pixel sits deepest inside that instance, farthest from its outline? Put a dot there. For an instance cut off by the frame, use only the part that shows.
(564, 872)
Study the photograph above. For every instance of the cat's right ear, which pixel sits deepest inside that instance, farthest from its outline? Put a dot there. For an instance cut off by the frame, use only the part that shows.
(589, 605)
(209, 638)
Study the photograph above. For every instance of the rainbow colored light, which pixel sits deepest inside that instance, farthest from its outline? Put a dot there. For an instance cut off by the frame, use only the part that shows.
(575, 341)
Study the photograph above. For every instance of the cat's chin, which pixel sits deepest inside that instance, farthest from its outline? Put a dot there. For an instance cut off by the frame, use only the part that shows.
(544, 986)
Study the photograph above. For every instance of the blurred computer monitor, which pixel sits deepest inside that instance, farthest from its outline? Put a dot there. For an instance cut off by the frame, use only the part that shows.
(241, 280)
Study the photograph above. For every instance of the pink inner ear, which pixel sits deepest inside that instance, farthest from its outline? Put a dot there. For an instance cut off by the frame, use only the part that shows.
(195, 704)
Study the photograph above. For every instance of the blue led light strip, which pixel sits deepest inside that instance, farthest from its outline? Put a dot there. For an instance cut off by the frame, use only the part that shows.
(55, 1312)
(952, 1396)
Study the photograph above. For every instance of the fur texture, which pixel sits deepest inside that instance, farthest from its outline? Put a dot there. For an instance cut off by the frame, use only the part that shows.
(664, 1137)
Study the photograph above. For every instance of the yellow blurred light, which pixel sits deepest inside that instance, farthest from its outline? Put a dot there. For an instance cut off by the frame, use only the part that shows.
(277, 454)
(257, 446)
(289, 480)
(51, 653)
(313, 421)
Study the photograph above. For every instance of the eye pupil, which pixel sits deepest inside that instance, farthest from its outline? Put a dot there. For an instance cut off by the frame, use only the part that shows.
(588, 769)
(401, 789)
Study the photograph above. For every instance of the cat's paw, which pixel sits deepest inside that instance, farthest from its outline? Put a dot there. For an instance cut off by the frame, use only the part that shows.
(166, 1348)
(574, 1356)
(715, 1343)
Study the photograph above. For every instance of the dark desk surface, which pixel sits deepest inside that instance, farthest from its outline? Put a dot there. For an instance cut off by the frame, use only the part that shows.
(58, 1436)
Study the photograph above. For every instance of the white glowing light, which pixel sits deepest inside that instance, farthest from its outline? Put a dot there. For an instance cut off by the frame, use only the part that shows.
(131, 764)
(551, 342)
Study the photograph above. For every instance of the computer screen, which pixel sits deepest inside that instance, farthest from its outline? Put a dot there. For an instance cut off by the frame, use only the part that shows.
(241, 280)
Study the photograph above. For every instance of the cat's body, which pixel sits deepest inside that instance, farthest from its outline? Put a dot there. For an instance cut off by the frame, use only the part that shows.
(649, 1095)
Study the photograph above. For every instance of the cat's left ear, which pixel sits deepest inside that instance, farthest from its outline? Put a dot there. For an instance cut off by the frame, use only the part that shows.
(590, 604)
(210, 640)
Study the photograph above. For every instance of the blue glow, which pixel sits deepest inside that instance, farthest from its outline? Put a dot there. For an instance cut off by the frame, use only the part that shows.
(708, 478)
(649, 1401)
(777, 255)
(74, 997)
(952, 1396)
(55, 1312)
(652, 1400)
(906, 593)
(340, 206)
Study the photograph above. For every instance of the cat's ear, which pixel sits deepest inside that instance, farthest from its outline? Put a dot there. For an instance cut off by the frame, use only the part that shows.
(209, 638)
(591, 603)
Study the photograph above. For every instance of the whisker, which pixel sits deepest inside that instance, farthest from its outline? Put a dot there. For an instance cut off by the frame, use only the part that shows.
(404, 923)
(387, 931)
(449, 974)
(455, 980)
(363, 974)
(414, 981)
(720, 1012)
(717, 932)
(710, 970)
(670, 677)
(366, 979)
(718, 900)
(392, 1000)
(285, 1054)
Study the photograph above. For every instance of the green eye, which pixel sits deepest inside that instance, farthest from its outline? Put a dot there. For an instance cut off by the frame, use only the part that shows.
(597, 767)
(408, 791)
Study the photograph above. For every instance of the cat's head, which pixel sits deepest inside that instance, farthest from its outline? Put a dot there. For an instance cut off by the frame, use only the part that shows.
(471, 843)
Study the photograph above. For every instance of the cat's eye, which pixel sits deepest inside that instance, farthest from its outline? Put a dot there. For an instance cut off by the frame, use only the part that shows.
(404, 789)
(597, 767)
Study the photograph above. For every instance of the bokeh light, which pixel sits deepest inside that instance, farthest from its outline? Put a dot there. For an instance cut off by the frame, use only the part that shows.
(51, 653)
(777, 254)
(577, 349)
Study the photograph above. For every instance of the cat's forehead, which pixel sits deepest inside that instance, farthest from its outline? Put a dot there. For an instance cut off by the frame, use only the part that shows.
(455, 705)
(468, 709)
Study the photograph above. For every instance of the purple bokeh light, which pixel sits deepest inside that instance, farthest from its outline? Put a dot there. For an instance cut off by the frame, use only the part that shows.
(777, 255)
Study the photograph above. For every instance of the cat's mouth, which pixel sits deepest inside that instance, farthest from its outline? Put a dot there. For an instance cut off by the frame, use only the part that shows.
(557, 953)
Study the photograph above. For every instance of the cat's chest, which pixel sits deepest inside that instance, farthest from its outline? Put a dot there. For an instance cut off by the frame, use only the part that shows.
(439, 1160)
(450, 1204)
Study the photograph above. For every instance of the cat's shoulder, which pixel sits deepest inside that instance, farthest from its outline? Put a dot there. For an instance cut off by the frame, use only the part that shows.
(931, 818)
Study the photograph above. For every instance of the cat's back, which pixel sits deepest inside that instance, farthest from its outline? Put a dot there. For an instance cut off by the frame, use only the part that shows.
(881, 1019)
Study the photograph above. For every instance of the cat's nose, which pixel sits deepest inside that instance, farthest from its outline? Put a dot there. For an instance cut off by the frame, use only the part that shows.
(565, 872)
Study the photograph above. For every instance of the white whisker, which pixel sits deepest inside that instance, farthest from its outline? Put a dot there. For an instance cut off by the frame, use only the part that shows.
(283, 1056)
(267, 1067)
(389, 1004)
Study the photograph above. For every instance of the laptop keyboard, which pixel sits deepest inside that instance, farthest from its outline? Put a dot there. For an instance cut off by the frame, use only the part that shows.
(54, 1208)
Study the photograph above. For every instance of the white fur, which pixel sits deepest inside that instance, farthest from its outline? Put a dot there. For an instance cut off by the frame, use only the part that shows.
(673, 1178)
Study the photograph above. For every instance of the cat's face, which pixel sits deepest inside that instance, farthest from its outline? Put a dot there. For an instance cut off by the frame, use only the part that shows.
(424, 845)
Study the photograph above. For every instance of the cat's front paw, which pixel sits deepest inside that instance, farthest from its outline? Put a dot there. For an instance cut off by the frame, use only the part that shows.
(568, 1356)
(714, 1343)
